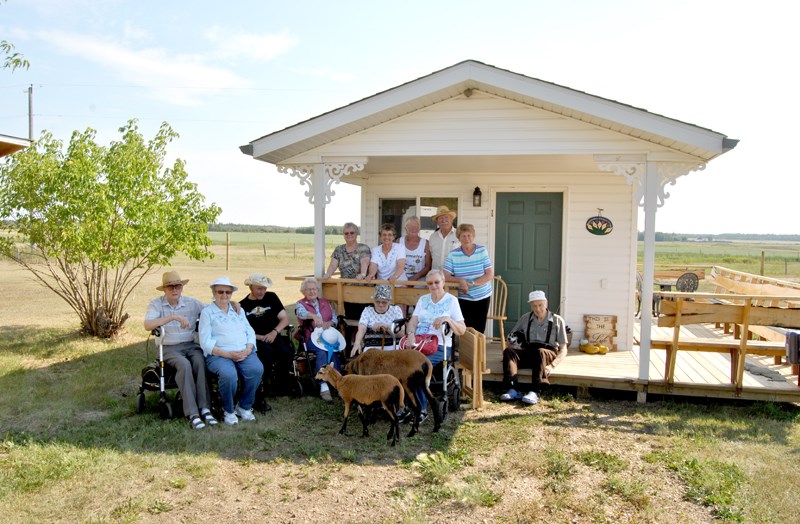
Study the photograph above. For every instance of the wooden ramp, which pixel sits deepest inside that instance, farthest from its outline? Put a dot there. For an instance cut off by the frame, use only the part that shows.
(696, 374)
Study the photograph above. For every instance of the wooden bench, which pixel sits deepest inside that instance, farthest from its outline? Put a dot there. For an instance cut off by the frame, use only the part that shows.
(700, 308)
(472, 364)
(729, 281)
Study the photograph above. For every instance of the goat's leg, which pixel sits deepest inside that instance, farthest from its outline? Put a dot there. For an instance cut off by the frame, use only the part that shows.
(433, 404)
(394, 427)
(343, 431)
(363, 414)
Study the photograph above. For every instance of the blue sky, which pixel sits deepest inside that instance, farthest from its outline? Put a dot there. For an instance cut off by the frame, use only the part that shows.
(225, 73)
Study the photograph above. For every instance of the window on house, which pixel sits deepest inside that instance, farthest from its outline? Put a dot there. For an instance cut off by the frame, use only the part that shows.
(397, 210)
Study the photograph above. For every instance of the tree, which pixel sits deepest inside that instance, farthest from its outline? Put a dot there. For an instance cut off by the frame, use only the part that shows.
(99, 219)
(12, 60)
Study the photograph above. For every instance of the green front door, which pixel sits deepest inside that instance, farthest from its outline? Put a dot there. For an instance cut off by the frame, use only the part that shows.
(528, 248)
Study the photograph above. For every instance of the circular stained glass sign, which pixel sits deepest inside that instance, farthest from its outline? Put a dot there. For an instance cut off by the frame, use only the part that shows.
(599, 225)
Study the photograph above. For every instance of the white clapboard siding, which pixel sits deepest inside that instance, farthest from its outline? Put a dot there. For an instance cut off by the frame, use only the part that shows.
(586, 259)
(483, 125)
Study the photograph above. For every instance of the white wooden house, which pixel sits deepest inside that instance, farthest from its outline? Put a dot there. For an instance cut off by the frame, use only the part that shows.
(545, 157)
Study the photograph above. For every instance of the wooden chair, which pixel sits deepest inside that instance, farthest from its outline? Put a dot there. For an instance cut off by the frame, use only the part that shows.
(497, 308)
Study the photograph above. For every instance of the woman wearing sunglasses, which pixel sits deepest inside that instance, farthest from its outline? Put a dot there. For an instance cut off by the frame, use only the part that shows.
(229, 344)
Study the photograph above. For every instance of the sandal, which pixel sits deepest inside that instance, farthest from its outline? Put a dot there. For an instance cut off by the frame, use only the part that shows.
(209, 418)
(196, 422)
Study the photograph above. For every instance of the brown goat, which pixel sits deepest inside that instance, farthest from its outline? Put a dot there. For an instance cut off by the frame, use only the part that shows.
(366, 391)
(411, 368)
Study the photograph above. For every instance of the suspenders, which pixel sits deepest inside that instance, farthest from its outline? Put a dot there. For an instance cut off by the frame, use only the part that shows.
(546, 338)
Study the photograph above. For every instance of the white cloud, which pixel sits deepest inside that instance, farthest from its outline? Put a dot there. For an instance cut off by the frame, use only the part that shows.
(258, 47)
(185, 78)
(327, 74)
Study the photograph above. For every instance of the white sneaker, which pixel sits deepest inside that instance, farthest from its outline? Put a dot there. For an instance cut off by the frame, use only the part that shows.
(531, 398)
(511, 394)
(230, 418)
(325, 392)
(245, 414)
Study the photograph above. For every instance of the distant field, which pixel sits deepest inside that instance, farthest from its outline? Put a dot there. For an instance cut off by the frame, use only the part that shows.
(781, 259)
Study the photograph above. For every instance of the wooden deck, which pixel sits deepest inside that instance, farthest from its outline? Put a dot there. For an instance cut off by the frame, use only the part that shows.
(696, 374)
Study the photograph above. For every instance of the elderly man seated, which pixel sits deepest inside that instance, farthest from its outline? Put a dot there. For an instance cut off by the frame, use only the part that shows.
(537, 341)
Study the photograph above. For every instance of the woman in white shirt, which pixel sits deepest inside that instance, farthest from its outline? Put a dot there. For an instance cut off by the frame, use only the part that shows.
(388, 260)
(418, 261)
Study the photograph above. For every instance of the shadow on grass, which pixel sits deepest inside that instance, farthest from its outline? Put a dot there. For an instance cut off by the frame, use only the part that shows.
(62, 388)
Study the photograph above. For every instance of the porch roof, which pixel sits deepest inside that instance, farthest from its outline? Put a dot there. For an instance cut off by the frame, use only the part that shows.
(11, 144)
(459, 79)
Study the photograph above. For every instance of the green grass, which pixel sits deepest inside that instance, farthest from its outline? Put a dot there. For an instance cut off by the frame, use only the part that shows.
(72, 448)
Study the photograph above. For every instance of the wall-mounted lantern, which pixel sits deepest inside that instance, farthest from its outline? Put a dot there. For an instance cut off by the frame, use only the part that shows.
(476, 197)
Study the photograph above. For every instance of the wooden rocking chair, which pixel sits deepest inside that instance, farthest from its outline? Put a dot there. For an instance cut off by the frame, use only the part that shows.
(497, 308)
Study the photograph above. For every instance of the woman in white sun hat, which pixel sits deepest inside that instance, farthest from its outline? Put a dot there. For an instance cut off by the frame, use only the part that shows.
(327, 344)
(229, 344)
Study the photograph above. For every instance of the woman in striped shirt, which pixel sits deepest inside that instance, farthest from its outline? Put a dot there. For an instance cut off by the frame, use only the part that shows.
(470, 267)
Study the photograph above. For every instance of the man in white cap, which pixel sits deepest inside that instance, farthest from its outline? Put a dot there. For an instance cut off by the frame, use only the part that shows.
(543, 344)
(444, 239)
(177, 316)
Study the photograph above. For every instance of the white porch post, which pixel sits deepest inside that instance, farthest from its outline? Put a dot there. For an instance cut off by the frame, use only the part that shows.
(650, 206)
(320, 177)
(318, 186)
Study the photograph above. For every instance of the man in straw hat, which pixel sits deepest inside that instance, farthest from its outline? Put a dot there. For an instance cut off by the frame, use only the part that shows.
(444, 239)
(267, 316)
(177, 316)
(537, 341)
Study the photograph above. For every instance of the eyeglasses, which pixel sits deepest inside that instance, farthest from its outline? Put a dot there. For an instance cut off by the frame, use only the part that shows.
(174, 286)
(223, 292)
(349, 233)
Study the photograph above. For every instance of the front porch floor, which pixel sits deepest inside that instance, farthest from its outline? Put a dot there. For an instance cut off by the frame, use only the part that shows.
(696, 374)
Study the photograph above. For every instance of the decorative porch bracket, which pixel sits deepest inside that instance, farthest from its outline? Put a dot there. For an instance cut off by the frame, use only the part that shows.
(334, 171)
(632, 168)
(650, 176)
(320, 177)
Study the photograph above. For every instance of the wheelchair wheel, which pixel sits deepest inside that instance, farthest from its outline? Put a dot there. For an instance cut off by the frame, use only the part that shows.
(165, 410)
(140, 402)
(294, 387)
(453, 390)
(454, 399)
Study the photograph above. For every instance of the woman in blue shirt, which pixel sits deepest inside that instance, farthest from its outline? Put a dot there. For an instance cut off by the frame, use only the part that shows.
(470, 267)
(229, 344)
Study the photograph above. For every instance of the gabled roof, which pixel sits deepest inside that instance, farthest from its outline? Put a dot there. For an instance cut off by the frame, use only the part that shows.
(11, 144)
(447, 83)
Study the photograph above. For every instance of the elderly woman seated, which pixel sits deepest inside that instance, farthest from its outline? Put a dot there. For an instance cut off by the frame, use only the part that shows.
(375, 325)
(317, 315)
(229, 343)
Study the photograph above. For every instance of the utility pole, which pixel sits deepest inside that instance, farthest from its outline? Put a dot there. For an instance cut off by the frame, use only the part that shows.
(30, 113)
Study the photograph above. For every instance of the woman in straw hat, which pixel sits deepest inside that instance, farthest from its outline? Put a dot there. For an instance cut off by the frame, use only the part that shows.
(177, 316)
(229, 344)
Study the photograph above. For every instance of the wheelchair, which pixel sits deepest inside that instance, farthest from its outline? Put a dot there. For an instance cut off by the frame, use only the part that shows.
(158, 376)
(445, 381)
